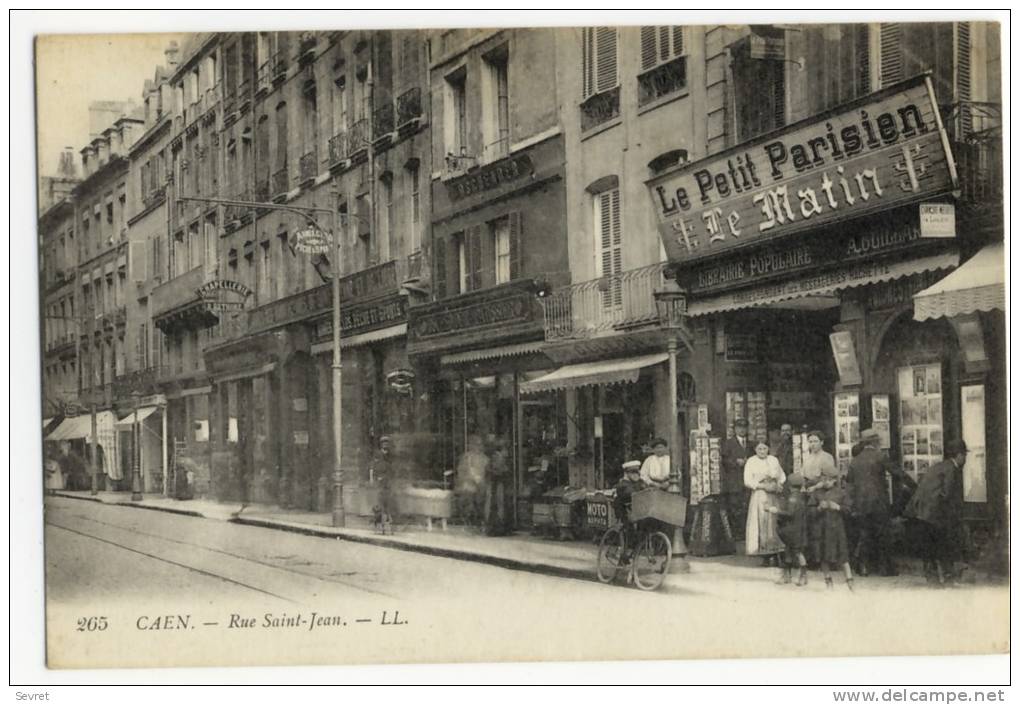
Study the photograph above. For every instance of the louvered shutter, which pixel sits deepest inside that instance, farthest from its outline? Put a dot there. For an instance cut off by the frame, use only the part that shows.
(963, 77)
(678, 41)
(137, 260)
(474, 258)
(649, 55)
(862, 59)
(605, 58)
(890, 53)
(588, 61)
(516, 234)
(610, 261)
(778, 90)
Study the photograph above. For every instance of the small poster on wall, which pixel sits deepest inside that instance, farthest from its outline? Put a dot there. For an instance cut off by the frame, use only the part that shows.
(846, 357)
(880, 419)
(847, 408)
(921, 433)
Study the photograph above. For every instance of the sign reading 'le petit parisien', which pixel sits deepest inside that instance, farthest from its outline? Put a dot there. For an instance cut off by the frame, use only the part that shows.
(885, 150)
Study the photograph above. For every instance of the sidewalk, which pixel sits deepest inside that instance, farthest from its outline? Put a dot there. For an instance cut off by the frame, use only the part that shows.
(522, 551)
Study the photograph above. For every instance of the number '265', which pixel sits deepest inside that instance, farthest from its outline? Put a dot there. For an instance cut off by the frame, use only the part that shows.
(91, 624)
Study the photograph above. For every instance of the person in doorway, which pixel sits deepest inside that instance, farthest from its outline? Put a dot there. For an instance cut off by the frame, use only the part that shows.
(764, 478)
(830, 502)
(937, 507)
(382, 476)
(655, 469)
(497, 511)
(735, 452)
(869, 500)
(784, 450)
(472, 475)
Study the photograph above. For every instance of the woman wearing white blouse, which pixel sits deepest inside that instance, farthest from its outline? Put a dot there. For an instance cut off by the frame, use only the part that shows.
(655, 469)
(764, 477)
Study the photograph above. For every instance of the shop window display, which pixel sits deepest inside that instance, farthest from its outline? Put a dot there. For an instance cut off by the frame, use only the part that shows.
(921, 429)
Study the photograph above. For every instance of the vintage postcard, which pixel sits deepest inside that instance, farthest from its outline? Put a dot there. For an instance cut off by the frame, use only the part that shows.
(375, 346)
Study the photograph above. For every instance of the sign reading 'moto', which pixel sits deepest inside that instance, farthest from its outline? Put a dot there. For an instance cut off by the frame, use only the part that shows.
(882, 151)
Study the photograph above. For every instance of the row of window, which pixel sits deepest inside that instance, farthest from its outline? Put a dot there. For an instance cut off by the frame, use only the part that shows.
(484, 255)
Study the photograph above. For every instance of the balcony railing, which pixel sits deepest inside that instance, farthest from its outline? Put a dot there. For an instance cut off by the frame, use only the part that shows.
(357, 138)
(264, 77)
(383, 120)
(177, 291)
(663, 80)
(337, 147)
(599, 306)
(244, 93)
(408, 106)
(979, 166)
(497, 150)
(600, 108)
(414, 267)
(281, 181)
(143, 381)
(308, 166)
(280, 63)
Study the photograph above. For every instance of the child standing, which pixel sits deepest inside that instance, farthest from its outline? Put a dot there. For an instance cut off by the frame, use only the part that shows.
(830, 502)
(792, 518)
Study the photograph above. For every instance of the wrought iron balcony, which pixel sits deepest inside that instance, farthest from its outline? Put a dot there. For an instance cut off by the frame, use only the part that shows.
(460, 162)
(383, 120)
(414, 266)
(663, 80)
(408, 106)
(244, 94)
(141, 381)
(280, 63)
(264, 78)
(308, 166)
(602, 306)
(600, 108)
(306, 44)
(357, 137)
(979, 166)
(281, 181)
(338, 147)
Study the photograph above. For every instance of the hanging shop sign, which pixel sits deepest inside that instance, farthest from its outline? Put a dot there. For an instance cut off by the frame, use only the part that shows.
(845, 354)
(513, 309)
(938, 220)
(313, 241)
(885, 150)
(223, 295)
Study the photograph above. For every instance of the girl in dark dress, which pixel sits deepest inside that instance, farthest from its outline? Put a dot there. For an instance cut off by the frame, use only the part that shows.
(792, 518)
(830, 502)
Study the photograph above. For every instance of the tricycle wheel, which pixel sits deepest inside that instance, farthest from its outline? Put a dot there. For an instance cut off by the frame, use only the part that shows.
(651, 563)
(612, 552)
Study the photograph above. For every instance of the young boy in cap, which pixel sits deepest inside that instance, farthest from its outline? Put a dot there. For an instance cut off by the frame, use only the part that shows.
(792, 518)
(626, 487)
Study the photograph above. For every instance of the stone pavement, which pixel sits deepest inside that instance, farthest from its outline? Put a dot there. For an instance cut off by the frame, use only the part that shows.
(521, 551)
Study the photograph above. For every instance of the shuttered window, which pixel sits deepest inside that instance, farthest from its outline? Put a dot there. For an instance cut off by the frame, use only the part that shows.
(966, 125)
(659, 45)
(862, 59)
(473, 256)
(600, 71)
(609, 237)
(890, 39)
(516, 255)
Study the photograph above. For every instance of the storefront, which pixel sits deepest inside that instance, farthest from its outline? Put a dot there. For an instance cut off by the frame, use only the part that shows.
(148, 446)
(801, 252)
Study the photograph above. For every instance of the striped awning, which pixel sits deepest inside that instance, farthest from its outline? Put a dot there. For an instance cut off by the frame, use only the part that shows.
(371, 336)
(128, 421)
(492, 353)
(616, 371)
(979, 284)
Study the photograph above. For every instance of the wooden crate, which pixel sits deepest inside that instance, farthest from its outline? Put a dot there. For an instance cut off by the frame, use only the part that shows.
(542, 515)
(657, 504)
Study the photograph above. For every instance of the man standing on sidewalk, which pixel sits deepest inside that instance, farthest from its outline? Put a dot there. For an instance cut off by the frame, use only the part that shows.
(735, 452)
(937, 506)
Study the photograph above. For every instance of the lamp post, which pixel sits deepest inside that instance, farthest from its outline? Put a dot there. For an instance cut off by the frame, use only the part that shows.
(671, 307)
(136, 453)
(315, 243)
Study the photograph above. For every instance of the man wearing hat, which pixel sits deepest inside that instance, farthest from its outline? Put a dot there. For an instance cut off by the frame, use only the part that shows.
(626, 487)
(869, 503)
(937, 507)
(735, 452)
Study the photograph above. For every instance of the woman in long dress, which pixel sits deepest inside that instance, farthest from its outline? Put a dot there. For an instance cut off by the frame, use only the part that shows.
(764, 477)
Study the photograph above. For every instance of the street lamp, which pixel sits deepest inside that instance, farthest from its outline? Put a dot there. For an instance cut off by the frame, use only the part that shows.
(316, 241)
(136, 453)
(671, 307)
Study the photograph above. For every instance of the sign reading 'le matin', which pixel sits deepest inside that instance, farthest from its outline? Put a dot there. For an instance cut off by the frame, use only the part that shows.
(885, 150)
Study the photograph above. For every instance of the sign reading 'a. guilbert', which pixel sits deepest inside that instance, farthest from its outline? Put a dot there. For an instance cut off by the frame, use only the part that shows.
(885, 150)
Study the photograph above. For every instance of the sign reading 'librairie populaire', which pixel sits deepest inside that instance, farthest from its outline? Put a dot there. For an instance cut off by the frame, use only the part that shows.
(882, 151)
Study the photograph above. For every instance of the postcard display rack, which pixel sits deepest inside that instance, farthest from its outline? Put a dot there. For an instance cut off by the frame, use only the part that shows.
(847, 415)
(750, 406)
(706, 459)
(920, 388)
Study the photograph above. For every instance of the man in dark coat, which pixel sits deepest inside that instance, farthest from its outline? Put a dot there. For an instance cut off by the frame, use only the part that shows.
(937, 507)
(869, 501)
(784, 451)
(735, 452)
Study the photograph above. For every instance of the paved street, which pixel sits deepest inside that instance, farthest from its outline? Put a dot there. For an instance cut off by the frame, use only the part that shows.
(248, 594)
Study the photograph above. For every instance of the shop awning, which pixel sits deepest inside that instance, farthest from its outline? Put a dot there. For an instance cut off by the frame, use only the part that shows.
(978, 285)
(46, 422)
(75, 427)
(618, 371)
(492, 353)
(352, 341)
(128, 421)
(824, 284)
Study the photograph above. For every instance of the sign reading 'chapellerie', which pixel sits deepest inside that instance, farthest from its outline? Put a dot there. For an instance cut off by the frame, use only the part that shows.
(886, 150)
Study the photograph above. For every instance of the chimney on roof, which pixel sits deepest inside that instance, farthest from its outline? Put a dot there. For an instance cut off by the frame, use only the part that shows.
(67, 167)
(171, 53)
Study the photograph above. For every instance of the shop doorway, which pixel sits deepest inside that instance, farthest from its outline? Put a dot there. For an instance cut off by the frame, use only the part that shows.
(300, 396)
